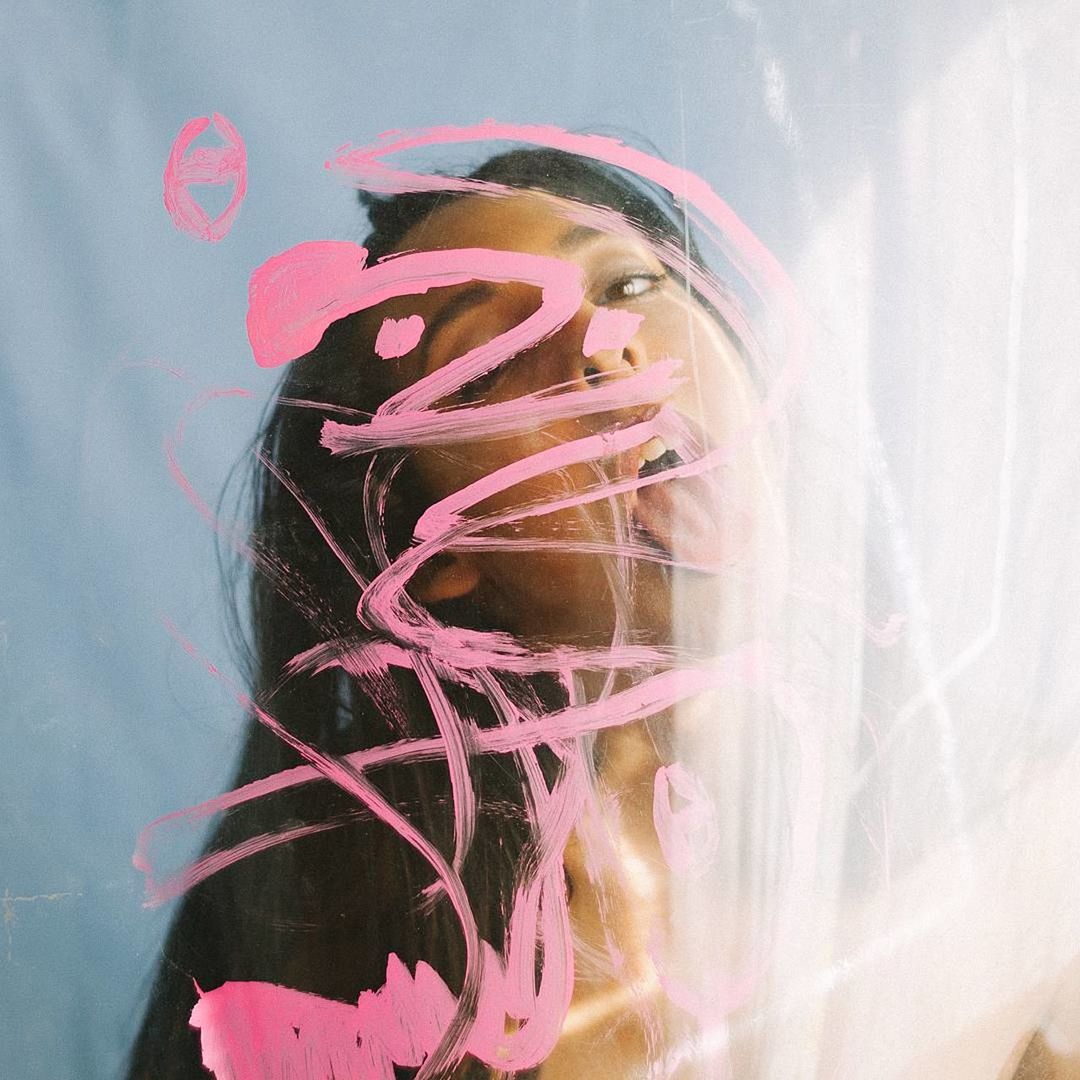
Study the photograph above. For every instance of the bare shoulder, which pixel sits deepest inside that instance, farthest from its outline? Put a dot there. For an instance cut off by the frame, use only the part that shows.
(1053, 1052)
(1032, 1037)
(1039, 1061)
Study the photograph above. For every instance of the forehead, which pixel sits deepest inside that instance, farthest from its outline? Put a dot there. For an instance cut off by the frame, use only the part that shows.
(530, 222)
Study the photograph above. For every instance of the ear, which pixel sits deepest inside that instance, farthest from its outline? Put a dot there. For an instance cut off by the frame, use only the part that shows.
(449, 576)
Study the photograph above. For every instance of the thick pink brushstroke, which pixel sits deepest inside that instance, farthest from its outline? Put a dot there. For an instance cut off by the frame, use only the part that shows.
(398, 337)
(446, 515)
(205, 165)
(459, 741)
(259, 1031)
(294, 296)
(433, 427)
(610, 328)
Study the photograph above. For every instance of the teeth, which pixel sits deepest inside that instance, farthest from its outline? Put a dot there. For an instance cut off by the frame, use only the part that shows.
(653, 449)
(655, 457)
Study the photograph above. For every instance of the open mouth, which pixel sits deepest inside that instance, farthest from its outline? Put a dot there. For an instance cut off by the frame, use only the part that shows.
(683, 517)
(656, 457)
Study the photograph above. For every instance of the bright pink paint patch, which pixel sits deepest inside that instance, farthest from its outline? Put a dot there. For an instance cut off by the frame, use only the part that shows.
(294, 296)
(205, 165)
(251, 1030)
(610, 328)
(285, 290)
(397, 337)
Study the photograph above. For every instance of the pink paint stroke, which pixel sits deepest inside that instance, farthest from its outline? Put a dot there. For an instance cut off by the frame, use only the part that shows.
(398, 337)
(175, 441)
(259, 1031)
(610, 328)
(204, 165)
(295, 296)
(433, 427)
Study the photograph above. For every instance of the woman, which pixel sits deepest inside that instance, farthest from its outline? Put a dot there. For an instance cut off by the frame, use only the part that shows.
(539, 573)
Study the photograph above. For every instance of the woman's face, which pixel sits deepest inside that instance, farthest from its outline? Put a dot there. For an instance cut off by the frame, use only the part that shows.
(560, 582)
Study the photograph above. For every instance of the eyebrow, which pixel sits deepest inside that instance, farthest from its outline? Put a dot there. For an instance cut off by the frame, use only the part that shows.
(473, 296)
(576, 236)
(481, 291)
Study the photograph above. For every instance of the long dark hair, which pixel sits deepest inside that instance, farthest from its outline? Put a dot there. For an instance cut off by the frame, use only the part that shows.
(321, 914)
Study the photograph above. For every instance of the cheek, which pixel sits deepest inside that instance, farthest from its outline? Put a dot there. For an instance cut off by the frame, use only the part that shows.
(716, 387)
(448, 470)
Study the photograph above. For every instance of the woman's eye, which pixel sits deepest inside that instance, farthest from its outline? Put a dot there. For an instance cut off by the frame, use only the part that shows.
(631, 286)
(476, 389)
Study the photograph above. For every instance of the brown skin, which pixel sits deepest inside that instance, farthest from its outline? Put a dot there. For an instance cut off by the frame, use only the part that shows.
(565, 597)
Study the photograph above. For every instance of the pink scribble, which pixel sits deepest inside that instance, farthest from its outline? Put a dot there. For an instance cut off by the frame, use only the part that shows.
(398, 337)
(610, 328)
(204, 165)
(740, 668)
(365, 167)
(510, 1008)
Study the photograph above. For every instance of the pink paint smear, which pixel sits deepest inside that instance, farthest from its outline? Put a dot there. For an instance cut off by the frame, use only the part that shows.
(205, 165)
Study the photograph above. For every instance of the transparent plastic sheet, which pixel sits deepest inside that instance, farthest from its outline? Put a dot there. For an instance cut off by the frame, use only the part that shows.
(802, 807)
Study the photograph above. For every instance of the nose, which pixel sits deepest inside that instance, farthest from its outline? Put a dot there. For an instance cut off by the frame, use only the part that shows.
(610, 346)
(595, 370)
